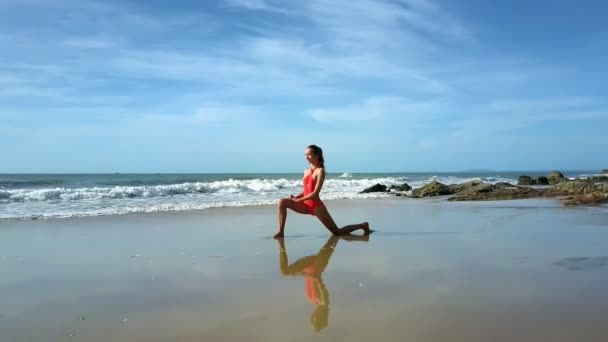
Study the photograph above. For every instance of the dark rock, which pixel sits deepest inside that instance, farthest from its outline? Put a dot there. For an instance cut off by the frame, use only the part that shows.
(374, 188)
(555, 177)
(577, 186)
(554, 193)
(598, 179)
(525, 180)
(594, 198)
(434, 188)
(402, 187)
(477, 189)
(455, 188)
(605, 171)
(489, 192)
(504, 185)
(542, 180)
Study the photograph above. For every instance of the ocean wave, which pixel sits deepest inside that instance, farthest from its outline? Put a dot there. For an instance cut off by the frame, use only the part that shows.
(122, 207)
(60, 202)
(225, 187)
(29, 183)
(120, 192)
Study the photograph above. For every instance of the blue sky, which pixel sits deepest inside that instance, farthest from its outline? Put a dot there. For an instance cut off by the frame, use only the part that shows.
(245, 85)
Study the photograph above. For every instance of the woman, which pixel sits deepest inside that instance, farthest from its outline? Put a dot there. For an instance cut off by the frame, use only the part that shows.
(308, 202)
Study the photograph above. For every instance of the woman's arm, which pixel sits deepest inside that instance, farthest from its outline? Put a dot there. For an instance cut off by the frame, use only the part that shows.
(296, 196)
(320, 179)
(292, 197)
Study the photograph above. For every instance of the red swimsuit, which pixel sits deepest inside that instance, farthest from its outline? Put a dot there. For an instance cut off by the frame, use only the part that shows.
(309, 187)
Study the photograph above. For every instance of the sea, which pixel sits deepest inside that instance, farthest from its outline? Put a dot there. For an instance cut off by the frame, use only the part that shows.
(48, 196)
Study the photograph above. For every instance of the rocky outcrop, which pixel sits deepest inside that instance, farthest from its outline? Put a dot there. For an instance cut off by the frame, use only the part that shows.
(595, 198)
(464, 186)
(374, 188)
(434, 188)
(494, 192)
(526, 180)
(555, 177)
(598, 179)
(580, 192)
(605, 171)
(542, 180)
(577, 186)
(402, 187)
(590, 191)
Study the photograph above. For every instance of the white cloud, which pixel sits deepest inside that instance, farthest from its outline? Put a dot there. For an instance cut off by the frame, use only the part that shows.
(92, 42)
(369, 63)
(381, 109)
(259, 5)
(208, 114)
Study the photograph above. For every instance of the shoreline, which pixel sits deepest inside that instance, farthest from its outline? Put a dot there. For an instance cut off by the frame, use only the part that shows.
(40, 197)
(338, 202)
(433, 270)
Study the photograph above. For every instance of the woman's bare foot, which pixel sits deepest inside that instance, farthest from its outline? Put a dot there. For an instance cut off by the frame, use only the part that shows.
(278, 235)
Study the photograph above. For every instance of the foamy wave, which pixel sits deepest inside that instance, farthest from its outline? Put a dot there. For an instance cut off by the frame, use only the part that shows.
(122, 207)
(119, 192)
(220, 187)
(27, 203)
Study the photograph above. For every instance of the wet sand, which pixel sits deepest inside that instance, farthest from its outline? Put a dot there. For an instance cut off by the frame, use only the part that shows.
(433, 271)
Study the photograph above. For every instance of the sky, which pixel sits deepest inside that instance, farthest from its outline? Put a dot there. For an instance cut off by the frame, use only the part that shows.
(246, 85)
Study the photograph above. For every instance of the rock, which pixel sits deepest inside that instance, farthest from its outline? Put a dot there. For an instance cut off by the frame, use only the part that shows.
(489, 192)
(598, 179)
(542, 180)
(525, 180)
(554, 193)
(555, 177)
(455, 188)
(402, 187)
(595, 198)
(605, 171)
(577, 186)
(434, 188)
(374, 188)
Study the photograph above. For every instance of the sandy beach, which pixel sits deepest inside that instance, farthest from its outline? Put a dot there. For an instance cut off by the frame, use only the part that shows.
(529, 270)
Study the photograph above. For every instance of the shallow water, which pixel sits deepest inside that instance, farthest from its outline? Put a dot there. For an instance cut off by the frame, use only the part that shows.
(434, 271)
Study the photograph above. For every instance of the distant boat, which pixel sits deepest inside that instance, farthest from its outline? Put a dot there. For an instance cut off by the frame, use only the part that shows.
(346, 175)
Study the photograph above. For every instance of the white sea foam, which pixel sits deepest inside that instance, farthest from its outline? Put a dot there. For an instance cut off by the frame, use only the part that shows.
(219, 187)
(28, 203)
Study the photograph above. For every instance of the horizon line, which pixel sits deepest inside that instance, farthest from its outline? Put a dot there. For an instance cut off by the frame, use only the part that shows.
(341, 172)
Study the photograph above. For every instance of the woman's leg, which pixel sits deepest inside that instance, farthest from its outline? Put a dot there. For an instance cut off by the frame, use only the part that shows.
(285, 203)
(325, 218)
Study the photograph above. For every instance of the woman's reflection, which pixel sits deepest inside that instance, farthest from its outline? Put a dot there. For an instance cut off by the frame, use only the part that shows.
(311, 268)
